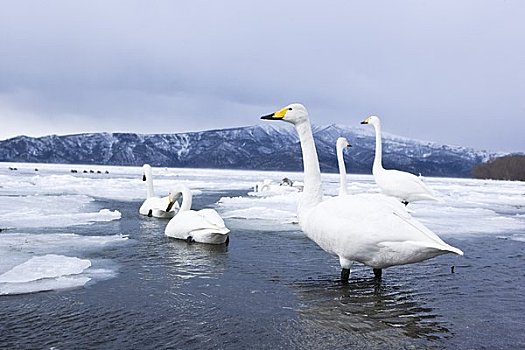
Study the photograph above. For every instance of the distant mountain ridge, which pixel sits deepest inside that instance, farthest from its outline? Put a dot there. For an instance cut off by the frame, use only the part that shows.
(262, 147)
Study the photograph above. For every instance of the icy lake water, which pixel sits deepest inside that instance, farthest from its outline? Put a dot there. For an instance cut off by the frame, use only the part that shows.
(79, 268)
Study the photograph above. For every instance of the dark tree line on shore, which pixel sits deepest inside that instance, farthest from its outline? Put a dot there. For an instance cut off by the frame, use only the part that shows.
(510, 167)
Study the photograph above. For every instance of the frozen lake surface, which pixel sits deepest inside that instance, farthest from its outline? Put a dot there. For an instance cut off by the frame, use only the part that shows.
(79, 268)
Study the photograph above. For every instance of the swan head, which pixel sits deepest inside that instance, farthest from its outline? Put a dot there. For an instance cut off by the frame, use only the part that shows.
(172, 199)
(371, 120)
(147, 170)
(342, 142)
(294, 113)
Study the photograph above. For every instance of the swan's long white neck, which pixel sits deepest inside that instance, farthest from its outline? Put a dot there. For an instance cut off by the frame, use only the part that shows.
(187, 196)
(342, 170)
(379, 153)
(149, 183)
(313, 192)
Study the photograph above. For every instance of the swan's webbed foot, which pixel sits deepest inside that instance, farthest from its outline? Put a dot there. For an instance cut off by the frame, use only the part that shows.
(150, 213)
(345, 275)
(405, 203)
(378, 273)
(190, 239)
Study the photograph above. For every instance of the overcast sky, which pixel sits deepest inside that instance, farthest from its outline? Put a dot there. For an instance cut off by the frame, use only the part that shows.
(448, 71)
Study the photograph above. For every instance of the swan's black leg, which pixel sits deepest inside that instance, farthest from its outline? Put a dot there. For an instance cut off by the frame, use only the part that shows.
(227, 240)
(378, 273)
(405, 203)
(190, 239)
(150, 213)
(345, 275)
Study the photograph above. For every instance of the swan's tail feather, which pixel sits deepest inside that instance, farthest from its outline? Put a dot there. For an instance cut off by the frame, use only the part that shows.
(454, 250)
(409, 252)
(427, 197)
(443, 248)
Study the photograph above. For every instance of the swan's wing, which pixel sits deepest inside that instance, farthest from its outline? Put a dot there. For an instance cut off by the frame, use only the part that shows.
(394, 253)
(150, 203)
(401, 211)
(158, 207)
(408, 180)
(212, 218)
(369, 231)
(189, 221)
(393, 203)
(364, 221)
(402, 184)
(182, 224)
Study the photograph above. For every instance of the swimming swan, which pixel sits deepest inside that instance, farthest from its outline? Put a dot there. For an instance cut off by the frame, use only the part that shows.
(339, 146)
(203, 226)
(405, 186)
(153, 205)
(355, 228)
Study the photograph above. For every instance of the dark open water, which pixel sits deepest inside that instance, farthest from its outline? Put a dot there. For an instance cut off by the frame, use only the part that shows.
(269, 291)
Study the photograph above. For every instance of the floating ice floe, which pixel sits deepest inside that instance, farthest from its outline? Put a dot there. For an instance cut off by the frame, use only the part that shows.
(455, 221)
(46, 266)
(38, 262)
(51, 211)
(47, 272)
(274, 213)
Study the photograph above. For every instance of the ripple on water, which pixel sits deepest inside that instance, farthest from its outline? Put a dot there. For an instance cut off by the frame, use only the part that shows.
(370, 309)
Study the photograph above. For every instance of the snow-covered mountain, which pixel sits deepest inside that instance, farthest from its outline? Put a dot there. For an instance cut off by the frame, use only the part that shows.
(264, 147)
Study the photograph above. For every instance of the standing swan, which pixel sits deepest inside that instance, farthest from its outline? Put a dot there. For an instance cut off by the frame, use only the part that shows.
(405, 186)
(153, 205)
(203, 226)
(339, 145)
(355, 228)
(394, 204)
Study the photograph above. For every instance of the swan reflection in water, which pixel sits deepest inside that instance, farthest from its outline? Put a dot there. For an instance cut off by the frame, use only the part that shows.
(176, 260)
(368, 308)
(189, 260)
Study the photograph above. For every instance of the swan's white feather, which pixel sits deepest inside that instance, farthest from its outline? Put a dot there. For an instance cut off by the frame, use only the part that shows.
(402, 185)
(364, 229)
(200, 225)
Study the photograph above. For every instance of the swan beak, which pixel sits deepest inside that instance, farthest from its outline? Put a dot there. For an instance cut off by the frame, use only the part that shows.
(268, 117)
(364, 121)
(276, 116)
(170, 205)
(349, 145)
(144, 177)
